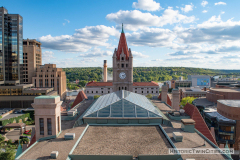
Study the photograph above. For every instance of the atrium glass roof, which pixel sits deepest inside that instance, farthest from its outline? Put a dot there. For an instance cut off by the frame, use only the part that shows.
(220, 117)
(123, 104)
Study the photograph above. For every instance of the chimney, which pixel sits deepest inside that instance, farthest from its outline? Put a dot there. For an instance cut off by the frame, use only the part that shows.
(175, 99)
(105, 71)
(164, 93)
(204, 88)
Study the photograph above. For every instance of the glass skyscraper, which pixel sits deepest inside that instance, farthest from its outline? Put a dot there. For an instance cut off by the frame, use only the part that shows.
(11, 47)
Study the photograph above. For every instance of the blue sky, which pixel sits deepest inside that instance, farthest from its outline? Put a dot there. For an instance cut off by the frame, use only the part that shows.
(185, 33)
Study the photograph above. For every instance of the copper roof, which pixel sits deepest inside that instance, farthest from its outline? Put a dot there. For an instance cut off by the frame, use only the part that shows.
(200, 125)
(122, 46)
(80, 97)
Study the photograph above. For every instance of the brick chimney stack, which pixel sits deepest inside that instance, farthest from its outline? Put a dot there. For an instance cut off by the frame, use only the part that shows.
(105, 71)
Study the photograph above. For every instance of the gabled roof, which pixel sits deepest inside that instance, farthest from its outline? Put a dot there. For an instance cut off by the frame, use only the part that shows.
(80, 97)
(122, 104)
(152, 83)
(200, 125)
(95, 84)
(122, 46)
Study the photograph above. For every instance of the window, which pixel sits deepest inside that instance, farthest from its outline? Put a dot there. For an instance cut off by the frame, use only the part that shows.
(142, 91)
(92, 91)
(135, 91)
(119, 88)
(123, 58)
(125, 88)
(152, 91)
(122, 65)
(147, 91)
(41, 124)
(49, 126)
(58, 123)
(156, 91)
(108, 92)
(108, 88)
(102, 91)
(126, 65)
(96, 91)
(87, 91)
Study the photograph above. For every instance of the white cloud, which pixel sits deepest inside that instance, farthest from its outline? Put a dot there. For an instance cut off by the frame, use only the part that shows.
(139, 55)
(149, 5)
(187, 8)
(204, 11)
(81, 41)
(153, 37)
(204, 3)
(96, 52)
(67, 20)
(220, 3)
(88, 60)
(47, 56)
(157, 60)
(136, 19)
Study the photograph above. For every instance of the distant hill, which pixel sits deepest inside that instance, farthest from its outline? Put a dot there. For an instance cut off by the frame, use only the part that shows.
(143, 74)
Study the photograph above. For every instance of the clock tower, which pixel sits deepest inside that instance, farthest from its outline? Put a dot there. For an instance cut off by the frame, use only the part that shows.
(122, 66)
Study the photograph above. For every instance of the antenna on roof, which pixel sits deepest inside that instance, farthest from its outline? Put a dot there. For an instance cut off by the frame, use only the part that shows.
(122, 28)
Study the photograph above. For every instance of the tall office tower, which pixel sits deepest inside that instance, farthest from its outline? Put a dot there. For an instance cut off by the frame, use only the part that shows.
(32, 58)
(11, 49)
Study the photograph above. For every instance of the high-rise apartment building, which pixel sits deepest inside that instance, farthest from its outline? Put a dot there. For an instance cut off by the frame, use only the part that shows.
(32, 58)
(11, 49)
(49, 76)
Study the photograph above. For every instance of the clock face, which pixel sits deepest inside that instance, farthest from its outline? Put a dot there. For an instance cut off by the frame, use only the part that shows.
(122, 75)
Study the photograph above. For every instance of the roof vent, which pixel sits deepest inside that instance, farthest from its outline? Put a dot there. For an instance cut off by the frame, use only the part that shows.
(188, 125)
(177, 136)
(54, 154)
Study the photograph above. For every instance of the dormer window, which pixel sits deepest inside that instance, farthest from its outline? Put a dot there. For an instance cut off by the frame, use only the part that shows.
(122, 58)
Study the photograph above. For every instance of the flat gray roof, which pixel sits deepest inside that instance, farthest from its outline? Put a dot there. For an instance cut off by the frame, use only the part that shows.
(123, 140)
(231, 103)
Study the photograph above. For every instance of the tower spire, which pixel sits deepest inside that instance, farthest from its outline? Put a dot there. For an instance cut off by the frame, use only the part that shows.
(122, 28)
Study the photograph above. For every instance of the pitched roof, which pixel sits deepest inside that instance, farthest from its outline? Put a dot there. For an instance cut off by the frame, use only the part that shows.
(33, 140)
(92, 84)
(122, 104)
(200, 125)
(152, 83)
(122, 46)
(169, 102)
(80, 97)
(95, 84)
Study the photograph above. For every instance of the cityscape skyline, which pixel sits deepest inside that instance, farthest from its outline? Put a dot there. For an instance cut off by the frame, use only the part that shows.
(199, 34)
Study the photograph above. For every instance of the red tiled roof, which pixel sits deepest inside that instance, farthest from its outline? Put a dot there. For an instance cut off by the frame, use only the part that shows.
(33, 140)
(200, 125)
(152, 83)
(122, 45)
(80, 97)
(92, 84)
(169, 102)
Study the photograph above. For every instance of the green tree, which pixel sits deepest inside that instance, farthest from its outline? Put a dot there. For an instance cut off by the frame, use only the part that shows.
(149, 96)
(187, 100)
(96, 96)
(9, 154)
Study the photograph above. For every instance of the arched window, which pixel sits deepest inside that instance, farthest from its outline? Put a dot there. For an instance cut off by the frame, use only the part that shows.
(125, 88)
(123, 58)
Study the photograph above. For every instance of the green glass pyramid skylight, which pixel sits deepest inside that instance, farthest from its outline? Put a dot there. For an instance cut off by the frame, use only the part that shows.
(122, 104)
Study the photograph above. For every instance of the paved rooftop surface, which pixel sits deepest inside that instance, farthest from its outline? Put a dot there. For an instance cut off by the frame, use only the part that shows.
(123, 140)
(226, 89)
(81, 109)
(12, 115)
(42, 150)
